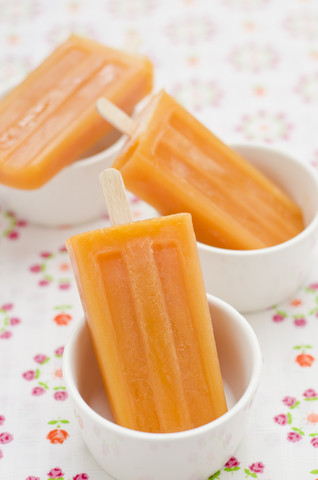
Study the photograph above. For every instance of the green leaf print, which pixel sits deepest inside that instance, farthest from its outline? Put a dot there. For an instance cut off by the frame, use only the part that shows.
(289, 418)
(295, 405)
(44, 385)
(315, 472)
(215, 476)
(228, 469)
(52, 422)
(298, 430)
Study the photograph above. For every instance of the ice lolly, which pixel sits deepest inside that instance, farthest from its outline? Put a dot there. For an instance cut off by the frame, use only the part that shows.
(49, 120)
(143, 296)
(177, 165)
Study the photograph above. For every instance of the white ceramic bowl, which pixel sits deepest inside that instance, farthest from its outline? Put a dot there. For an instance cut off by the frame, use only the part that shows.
(197, 453)
(257, 279)
(73, 196)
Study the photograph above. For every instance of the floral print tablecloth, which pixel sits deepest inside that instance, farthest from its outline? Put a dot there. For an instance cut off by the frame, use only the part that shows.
(248, 69)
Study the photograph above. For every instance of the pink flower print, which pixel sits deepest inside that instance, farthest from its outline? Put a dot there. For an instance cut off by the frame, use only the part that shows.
(310, 393)
(21, 223)
(63, 249)
(60, 395)
(81, 476)
(2, 419)
(257, 467)
(7, 306)
(233, 462)
(281, 419)
(1, 454)
(29, 375)
(43, 283)
(37, 391)
(55, 473)
(35, 268)
(46, 254)
(7, 334)
(59, 351)
(314, 442)
(40, 358)
(278, 318)
(14, 321)
(289, 401)
(5, 437)
(300, 322)
(32, 478)
(13, 235)
(293, 437)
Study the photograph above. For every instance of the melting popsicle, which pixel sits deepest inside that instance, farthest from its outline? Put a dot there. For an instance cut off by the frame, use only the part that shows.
(49, 120)
(177, 165)
(142, 291)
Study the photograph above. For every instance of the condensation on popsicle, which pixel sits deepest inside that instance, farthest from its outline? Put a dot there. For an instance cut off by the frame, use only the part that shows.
(49, 120)
(142, 291)
(177, 165)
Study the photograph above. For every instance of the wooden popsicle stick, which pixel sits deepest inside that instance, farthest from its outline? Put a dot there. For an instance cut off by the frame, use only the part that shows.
(115, 197)
(116, 117)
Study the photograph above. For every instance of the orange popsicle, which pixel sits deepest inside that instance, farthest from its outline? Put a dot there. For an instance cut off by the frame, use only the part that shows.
(142, 291)
(177, 165)
(49, 120)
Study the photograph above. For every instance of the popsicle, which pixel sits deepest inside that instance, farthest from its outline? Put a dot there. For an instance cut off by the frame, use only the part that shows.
(49, 120)
(177, 165)
(145, 305)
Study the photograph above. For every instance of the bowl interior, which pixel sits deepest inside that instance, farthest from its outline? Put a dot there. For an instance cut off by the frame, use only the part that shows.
(237, 349)
(294, 177)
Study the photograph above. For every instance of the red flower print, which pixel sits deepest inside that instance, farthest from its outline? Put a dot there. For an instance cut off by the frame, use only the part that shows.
(81, 476)
(40, 358)
(310, 393)
(281, 419)
(305, 360)
(5, 437)
(62, 319)
(57, 436)
(314, 442)
(289, 401)
(257, 467)
(60, 395)
(293, 437)
(2, 419)
(38, 391)
(233, 462)
(55, 473)
(29, 375)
